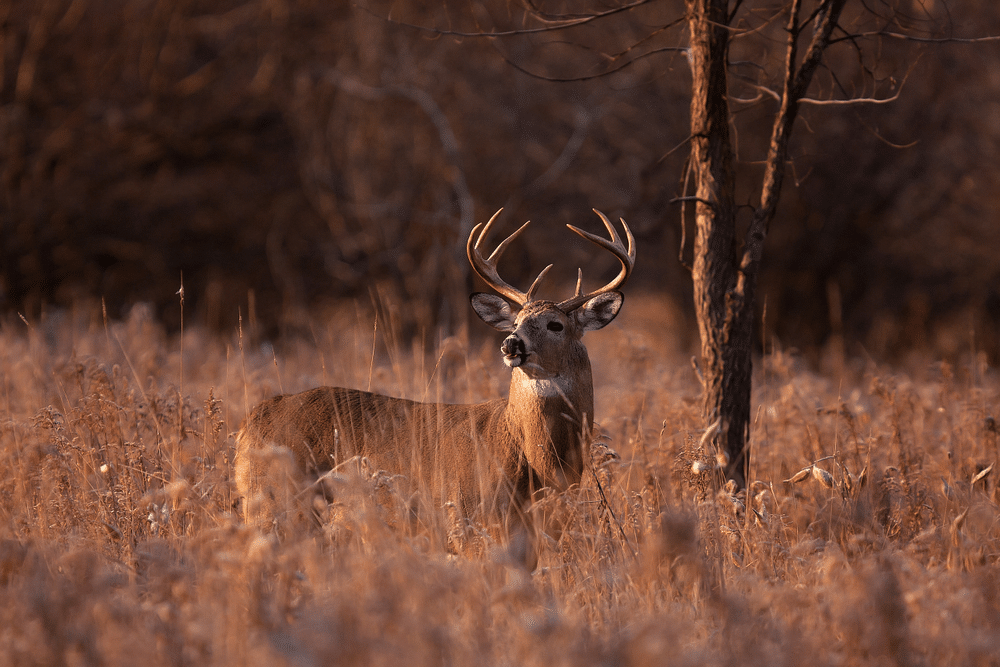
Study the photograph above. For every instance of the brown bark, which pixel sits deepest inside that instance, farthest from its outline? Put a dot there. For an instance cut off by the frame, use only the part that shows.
(724, 292)
(714, 268)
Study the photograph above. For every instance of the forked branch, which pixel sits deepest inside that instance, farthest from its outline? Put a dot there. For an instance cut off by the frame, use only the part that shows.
(797, 80)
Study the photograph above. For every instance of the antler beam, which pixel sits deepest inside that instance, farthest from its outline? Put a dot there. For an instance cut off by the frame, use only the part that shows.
(615, 247)
(487, 268)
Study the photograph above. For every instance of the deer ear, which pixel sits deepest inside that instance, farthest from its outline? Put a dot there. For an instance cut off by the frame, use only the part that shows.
(493, 310)
(598, 312)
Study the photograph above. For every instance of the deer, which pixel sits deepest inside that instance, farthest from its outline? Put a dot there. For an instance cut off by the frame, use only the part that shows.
(488, 459)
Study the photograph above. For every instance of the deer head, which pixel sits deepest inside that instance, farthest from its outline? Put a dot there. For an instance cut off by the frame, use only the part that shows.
(545, 350)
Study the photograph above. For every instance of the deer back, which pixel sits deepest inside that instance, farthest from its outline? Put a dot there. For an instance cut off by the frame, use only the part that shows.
(466, 454)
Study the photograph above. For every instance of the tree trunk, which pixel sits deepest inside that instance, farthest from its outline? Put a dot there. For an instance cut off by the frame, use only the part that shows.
(725, 348)
(724, 292)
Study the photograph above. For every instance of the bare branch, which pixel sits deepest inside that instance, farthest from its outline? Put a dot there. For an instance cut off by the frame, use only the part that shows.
(852, 101)
(736, 8)
(795, 86)
(878, 135)
(688, 167)
(930, 40)
(764, 90)
(738, 33)
(861, 65)
(584, 120)
(569, 23)
(449, 142)
(673, 150)
(891, 144)
(859, 100)
(749, 101)
(679, 200)
(650, 36)
(812, 16)
(633, 47)
(589, 77)
(826, 21)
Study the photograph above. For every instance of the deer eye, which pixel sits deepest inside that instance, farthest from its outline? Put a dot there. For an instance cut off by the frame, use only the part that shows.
(555, 326)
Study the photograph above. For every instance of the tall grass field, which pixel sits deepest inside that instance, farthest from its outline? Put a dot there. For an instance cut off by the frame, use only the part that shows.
(869, 535)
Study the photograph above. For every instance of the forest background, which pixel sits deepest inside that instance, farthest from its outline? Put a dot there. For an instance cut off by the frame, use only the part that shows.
(281, 157)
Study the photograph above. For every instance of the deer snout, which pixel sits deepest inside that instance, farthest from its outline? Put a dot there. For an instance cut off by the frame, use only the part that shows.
(514, 351)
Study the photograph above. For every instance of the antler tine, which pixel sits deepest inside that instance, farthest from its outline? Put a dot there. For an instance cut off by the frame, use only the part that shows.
(487, 268)
(615, 247)
(537, 282)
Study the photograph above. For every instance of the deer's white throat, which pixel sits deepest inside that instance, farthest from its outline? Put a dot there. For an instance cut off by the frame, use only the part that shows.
(547, 385)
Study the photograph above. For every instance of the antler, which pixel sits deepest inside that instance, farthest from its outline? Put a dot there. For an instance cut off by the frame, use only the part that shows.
(617, 248)
(487, 268)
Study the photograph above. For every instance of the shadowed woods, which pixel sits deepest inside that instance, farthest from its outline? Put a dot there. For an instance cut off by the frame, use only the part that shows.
(282, 160)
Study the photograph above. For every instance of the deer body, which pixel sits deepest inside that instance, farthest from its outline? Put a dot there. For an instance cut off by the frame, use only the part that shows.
(439, 444)
(487, 458)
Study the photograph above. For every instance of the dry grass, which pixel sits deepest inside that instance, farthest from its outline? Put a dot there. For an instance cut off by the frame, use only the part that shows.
(119, 543)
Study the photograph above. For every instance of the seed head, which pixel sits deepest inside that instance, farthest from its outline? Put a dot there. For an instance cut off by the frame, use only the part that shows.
(822, 476)
(722, 459)
(799, 476)
(982, 474)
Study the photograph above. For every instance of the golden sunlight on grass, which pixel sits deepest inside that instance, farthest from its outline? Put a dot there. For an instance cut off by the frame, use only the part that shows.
(869, 534)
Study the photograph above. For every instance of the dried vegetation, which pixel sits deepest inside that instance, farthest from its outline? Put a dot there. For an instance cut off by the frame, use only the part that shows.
(869, 535)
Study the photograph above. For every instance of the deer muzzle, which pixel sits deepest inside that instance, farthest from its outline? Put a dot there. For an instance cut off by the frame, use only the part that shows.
(514, 351)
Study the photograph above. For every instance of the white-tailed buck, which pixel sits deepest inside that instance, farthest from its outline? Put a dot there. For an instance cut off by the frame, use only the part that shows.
(487, 458)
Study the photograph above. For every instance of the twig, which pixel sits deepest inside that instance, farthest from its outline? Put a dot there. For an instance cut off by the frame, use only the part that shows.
(570, 23)
(607, 506)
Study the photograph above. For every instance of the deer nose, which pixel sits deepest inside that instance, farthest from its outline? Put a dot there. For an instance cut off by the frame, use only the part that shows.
(514, 351)
(513, 345)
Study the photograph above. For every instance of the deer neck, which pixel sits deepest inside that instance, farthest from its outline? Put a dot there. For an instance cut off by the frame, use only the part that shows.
(549, 416)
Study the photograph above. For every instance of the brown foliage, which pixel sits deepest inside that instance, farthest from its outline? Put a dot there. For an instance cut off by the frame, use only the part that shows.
(120, 543)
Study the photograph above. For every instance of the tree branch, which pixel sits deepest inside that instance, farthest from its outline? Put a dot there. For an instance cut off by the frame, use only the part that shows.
(854, 100)
(732, 14)
(449, 143)
(570, 23)
(589, 77)
(706, 202)
(796, 84)
(827, 21)
(926, 40)
(584, 120)
(764, 91)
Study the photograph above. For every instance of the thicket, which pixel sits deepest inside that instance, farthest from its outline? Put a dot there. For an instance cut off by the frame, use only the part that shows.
(285, 155)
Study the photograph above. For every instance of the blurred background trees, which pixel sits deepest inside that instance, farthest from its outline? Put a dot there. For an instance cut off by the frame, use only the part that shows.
(284, 156)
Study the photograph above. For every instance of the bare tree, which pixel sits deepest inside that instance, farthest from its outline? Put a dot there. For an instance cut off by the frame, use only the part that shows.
(724, 287)
(726, 267)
